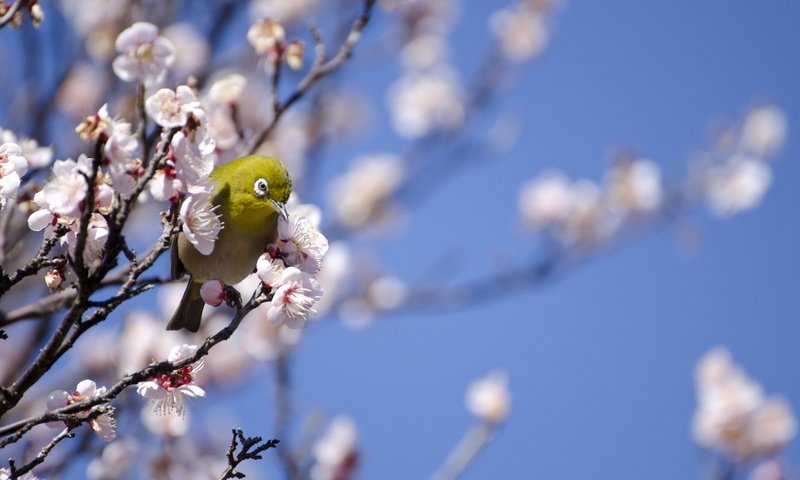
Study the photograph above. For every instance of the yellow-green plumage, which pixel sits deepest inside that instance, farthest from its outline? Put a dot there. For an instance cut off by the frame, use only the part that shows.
(249, 223)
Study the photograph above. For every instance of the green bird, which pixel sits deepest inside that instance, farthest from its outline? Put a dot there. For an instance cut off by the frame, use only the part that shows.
(249, 195)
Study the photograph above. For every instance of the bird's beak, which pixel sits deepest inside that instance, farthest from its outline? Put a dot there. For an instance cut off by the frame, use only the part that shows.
(281, 208)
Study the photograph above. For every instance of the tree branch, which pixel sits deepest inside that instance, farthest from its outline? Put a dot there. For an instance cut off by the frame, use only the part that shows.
(244, 444)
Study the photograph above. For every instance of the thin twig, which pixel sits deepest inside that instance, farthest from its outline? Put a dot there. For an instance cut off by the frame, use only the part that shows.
(244, 444)
(43, 453)
(465, 452)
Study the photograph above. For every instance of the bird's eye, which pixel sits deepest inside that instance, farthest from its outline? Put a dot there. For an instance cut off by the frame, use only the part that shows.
(261, 187)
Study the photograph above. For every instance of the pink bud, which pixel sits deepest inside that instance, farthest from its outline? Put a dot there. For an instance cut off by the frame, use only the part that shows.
(213, 292)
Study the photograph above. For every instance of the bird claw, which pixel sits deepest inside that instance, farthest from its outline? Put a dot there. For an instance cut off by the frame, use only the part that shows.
(232, 297)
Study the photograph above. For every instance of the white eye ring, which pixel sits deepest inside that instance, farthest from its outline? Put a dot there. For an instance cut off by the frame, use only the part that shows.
(261, 187)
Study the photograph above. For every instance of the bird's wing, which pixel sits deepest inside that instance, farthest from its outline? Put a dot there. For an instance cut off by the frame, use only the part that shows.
(176, 268)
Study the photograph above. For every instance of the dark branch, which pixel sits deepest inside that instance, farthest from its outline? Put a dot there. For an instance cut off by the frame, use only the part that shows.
(244, 444)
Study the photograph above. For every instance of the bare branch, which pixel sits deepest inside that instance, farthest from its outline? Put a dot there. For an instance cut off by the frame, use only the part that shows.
(43, 453)
(244, 444)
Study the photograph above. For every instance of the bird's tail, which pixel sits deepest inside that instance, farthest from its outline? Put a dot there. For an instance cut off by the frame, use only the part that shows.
(189, 311)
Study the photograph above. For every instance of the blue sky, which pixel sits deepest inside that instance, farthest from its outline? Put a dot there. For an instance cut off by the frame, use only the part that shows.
(601, 359)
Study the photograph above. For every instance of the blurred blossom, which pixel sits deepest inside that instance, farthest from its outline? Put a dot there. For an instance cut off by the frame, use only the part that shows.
(769, 470)
(36, 156)
(281, 10)
(143, 54)
(104, 425)
(335, 455)
(265, 341)
(74, 98)
(336, 268)
(521, 32)
(356, 313)
(115, 460)
(294, 55)
(386, 293)
(190, 47)
(635, 186)
(489, 398)
(424, 51)
(12, 167)
(267, 37)
(170, 424)
(423, 103)
(363, 192)
(143, 337)
(423, 16)
(764, 131)
(167, 391)
(737, 186)
(229, 360)
(227, 90)
(87, 15)
(733, 415)
(546, 200)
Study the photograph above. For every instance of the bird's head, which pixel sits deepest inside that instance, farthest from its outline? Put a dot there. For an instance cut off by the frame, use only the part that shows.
(257, 190)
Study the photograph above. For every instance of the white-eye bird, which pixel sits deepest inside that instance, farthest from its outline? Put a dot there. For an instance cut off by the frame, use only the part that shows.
(249, 196)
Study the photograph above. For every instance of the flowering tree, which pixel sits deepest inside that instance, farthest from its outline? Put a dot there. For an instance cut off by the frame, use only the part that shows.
(112, 157)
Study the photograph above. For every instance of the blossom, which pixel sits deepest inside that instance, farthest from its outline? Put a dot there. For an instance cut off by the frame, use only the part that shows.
(171, 108)
(733, 415)
(213, 292)
(489, 398)
(296, 293)
(104, 425)
(201, 224)
(191, 49)
(294, 55)
(423, 103)
(115, 460)
(66, 189)
(363, 192)
(635, 186)
(12, 167)
(227, 89)
(335, 454)
(269, 269)
(737, 186)
(167, 390)
(267, 37)
(301, 244)
(521, 32)
(143, 55)
(546, 201)
(764, 130)
(36, 156)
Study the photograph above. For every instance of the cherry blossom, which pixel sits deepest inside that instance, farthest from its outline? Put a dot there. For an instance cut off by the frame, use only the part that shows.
(168, 391)
(201, 224)
(143, 55)
(296, 293)
(104, 425)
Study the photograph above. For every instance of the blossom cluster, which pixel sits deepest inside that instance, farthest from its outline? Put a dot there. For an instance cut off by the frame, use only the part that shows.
(733, 415)
(104, 425)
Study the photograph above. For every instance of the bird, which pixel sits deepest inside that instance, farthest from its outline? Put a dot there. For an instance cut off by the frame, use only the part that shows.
(249, 195)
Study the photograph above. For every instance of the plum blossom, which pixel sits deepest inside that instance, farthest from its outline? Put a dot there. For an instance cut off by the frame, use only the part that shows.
(363, 193)
(269, 269)
(521, 31)
(296, 292)
(737, 186)
(65, 191)
(167, 390)
(294, 55)
(201, 225)
(36, 156)
(213, 292)
(423, 103)
(300, 244)
(267, 38)
(115, 460)
(546, 200)
(733, 415)
(171, 108)
(635, 186)
(12, 167)
(764, 130)
(143, 54)
(191, 48)
(488, 398)
(104, 425)
(335, 455)
(187, 168)
(227, 90)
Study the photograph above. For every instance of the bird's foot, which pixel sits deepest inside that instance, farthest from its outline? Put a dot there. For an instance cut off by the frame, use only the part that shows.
(232, 297)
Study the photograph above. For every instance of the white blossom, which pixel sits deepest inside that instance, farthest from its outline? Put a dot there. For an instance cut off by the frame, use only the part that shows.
(335, 453)
(269, 269)
(737, 186)
(546, 200)
(635, 186)
(423, 103)
(36, 156)
(228, 89)
(296, 292)
(488, 398)
(12, 167)
(201, 224)
(143, 54)
(267, 37)
(363, 193)
(104, 425)
(733, 415)
(521, 31)
(300, 244)
(115, 460)
(191, 49)
(171, 108)
(167, 390)
(764, 130)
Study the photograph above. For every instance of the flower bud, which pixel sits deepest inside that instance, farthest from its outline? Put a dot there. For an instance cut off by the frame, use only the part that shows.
(53, 279)
(213, 292)
(294, 55)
